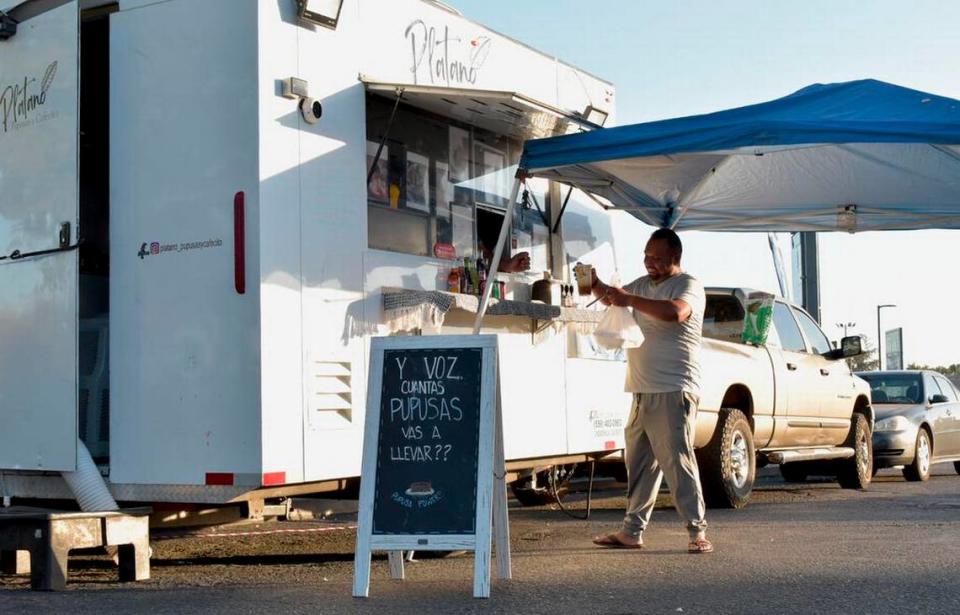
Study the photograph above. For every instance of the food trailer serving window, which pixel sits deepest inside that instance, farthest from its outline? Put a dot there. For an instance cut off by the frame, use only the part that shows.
(443, 176)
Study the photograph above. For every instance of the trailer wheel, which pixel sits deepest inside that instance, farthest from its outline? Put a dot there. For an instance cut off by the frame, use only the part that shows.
(536, 489)
(728, 464)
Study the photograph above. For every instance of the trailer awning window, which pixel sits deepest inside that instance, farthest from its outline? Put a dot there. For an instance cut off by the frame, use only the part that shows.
(506, 113)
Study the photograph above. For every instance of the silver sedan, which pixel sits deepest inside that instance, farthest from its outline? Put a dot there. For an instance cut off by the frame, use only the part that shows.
(917, 421)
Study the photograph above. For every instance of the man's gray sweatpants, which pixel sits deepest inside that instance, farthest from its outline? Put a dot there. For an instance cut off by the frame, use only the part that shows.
(659, 442)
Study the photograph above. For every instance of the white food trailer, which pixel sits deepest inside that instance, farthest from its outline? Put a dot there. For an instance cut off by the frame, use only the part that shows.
(203, 204)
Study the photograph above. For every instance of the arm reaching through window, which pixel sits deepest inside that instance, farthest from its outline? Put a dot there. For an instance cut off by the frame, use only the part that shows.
(517, 263)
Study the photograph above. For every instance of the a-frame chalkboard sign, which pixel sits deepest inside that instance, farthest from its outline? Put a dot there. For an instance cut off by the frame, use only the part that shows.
(433, 469)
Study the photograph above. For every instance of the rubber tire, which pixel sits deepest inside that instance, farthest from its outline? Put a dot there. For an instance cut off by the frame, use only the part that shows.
(913, 472)
(794, 472)
(851, 473)
(714, 462)
(541, 495)
(956, 466)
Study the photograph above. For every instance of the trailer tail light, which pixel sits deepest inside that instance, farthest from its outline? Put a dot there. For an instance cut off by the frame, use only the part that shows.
(219, 478)
(239, 244)
(609, 445)
(232, 479)
(274, 478)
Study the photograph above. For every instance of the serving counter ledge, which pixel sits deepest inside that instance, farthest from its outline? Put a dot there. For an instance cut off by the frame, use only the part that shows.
(410, 310)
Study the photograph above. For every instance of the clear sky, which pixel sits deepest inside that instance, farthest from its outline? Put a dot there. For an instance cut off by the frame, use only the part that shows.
(670, 58)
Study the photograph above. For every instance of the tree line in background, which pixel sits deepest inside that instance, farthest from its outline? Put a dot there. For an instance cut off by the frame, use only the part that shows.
(952, 372)
(946, 370)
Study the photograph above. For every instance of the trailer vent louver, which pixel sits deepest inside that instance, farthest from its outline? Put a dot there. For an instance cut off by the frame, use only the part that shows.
(331, 394)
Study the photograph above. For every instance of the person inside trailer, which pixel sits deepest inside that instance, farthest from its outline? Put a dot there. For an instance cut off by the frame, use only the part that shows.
(488, 230)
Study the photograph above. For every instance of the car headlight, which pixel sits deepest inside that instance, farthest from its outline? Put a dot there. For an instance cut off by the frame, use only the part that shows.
(894, 423)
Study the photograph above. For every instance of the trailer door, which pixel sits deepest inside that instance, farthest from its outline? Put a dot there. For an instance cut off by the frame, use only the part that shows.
(39, 79)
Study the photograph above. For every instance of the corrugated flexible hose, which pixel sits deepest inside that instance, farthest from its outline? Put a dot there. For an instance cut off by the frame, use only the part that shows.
(88, 485)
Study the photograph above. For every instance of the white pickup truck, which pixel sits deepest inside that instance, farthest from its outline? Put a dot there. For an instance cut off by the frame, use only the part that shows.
(792, 401)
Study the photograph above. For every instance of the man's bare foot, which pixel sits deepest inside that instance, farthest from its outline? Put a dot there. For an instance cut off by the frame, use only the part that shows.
(618, 540)
(700, 544)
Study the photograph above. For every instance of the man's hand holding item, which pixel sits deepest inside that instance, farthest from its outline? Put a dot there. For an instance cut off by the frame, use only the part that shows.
(617, 297)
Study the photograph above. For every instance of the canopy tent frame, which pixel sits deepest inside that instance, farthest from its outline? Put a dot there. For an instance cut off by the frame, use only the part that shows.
(857, 156)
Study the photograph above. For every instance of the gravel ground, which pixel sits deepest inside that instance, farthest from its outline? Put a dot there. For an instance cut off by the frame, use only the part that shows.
(794, 549)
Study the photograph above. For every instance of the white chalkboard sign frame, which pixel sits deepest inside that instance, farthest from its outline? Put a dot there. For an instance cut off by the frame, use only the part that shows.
(491, 509)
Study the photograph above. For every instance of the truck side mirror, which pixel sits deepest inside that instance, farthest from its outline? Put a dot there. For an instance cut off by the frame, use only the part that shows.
(849, 347)
(938, 399)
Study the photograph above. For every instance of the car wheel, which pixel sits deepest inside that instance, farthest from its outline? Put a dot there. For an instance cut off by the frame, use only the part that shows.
(728, 464)
(857, 471)
(536, 490)
(919, 470)
(794, 472)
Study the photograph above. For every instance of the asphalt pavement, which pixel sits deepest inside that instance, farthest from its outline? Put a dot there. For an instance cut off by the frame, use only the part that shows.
(807, 548)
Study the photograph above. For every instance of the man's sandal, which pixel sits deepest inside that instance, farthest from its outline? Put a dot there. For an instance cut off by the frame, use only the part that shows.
(700, 545)
(611, 541)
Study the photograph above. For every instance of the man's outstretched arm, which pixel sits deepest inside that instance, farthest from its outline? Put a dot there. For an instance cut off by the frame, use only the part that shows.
(667, 310)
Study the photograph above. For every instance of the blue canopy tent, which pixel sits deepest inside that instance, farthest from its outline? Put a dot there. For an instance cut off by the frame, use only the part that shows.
(857, 156)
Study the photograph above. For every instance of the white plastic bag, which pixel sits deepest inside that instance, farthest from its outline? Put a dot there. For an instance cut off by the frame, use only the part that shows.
(618, 329)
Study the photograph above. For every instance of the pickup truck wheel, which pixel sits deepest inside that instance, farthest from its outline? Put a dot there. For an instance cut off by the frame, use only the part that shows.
(919, 470)
(728, 464)
(857, 471)
(794, 472)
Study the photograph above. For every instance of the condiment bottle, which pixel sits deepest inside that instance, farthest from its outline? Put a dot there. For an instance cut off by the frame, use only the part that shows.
(481, 276)
(466, 285)
(473, 280)
(453, 280)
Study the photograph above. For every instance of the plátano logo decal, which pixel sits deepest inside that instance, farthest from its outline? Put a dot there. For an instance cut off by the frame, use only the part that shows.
(21, 102)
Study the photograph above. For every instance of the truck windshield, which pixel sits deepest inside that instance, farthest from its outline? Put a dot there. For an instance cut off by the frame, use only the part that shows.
(894, 388)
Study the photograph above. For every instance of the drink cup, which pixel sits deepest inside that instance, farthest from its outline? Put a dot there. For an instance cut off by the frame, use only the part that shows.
(584, 275)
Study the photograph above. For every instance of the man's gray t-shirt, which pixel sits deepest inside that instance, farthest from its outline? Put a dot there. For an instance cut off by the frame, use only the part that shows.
(669, 358)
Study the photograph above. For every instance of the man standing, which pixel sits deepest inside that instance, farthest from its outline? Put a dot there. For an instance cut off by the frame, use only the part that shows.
(664, 376)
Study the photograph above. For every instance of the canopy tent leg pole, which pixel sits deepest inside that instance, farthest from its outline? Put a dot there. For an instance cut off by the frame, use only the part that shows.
(778, 266)
(498, 252)
(563, 208)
